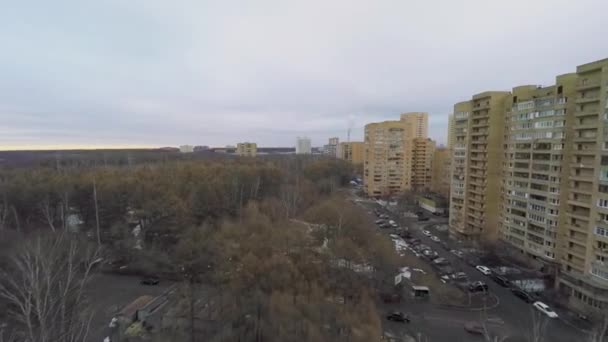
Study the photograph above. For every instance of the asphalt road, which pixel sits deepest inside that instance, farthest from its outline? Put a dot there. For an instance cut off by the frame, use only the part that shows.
(110, 293)
(517, 316)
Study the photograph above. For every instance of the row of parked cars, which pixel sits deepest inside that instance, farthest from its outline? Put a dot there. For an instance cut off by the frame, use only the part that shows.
(527, 297)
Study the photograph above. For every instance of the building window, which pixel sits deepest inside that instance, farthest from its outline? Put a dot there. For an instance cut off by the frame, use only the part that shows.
(601, 231)
(602, 203)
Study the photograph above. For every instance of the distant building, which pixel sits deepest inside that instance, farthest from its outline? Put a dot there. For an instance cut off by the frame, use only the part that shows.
(303, 145)
(332, 147)
(352, 151)
(201, 148)
(422, 160)
(246, 149)
(417, 124)
(186, 148)
(440, 180)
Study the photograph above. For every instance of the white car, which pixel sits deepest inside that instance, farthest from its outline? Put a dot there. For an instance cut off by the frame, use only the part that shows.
(544, 308)
(434, 238)
(426, 232)
(483, 270)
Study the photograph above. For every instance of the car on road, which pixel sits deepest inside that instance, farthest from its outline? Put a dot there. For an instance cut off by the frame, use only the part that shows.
(544, 308)
(150, 281)
(440, 261)
(500, 280)
(426, 232)
(478, 286)
(379, 221)
(474, 328)
(423, 218)
(460, 276)
(434, 238)
(528, 298)
(483, 269)
(398, 316)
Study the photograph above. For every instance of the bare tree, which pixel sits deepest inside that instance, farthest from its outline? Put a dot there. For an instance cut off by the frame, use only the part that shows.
(48, 211)
(44, 284)
(539, 326)
(96, 212)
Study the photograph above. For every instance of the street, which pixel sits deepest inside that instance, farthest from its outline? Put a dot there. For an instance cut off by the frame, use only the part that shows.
(513, 317)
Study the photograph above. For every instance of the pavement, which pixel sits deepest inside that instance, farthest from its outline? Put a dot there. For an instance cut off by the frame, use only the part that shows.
(444, 324)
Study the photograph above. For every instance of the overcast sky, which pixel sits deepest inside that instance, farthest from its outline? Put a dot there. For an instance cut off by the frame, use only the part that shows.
(155, 73)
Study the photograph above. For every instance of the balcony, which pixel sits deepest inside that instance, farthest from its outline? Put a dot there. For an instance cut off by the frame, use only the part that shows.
(578, 228)
(587, 85)
(589, 99)
(586, 113)
(579, 203)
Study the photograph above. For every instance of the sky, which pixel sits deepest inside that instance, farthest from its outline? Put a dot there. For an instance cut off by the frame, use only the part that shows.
(118, 73)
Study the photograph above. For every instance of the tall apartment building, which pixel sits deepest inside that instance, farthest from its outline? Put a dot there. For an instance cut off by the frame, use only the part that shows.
(352, 151)
(451, 135)
(246, 149)
(440, 179)
(535, 181)
(477, 165)
(303, 145)
(422, 164)
(332, 147)
(417, 124)
(387, 158)
(584, 259)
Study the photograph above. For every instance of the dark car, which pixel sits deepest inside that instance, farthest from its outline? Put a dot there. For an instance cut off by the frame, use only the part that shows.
(478, 286)
(528, 298)
(474, 328)
(500, 280)
(398, 317)
(150, 281)
(423, 218)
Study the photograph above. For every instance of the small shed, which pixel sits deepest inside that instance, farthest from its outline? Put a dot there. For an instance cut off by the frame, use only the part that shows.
(422, 292)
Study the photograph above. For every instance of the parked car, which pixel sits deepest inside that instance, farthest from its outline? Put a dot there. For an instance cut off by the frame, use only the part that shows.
(426, 232)
(444, 245)
(460, 276)
(478, 286)
(423, 218)
(544, 308)
(483, 269)
(500, 280)
(379, 221)
(414, 241)
(150, 281)
(528, 298)
(474, 328)
(434, 238)
(398, 316)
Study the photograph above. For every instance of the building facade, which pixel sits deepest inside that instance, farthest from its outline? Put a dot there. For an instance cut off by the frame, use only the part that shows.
(332, 148)
(186, 148)
(303, 145)
(247, 149)
(352, 151)
(451, 135)
(584, 259)
(417, 124)
(535, 181)
(387, 158)
(422, 164)
(441, 167)
(477, 165)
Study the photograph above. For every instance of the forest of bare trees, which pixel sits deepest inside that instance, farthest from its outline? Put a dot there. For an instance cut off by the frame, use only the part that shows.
(273, 238)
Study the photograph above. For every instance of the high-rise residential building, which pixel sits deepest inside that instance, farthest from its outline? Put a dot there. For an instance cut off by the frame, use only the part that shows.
(422, 160)
(477, 167)
(387, 158)
(246, 149)
(303, 145)
(332, 147)
(352, 151)
(451, 135)
(440, 179)
(535, 181)
(584, 259)
(418, 124)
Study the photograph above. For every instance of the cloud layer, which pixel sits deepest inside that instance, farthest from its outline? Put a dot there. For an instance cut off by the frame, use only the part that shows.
(148, 72)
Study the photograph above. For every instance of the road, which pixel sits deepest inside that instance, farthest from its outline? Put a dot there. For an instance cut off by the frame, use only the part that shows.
(516, 314)
(110, 293)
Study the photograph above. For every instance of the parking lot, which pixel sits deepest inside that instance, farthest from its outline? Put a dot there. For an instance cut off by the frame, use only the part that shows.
(455, 263)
